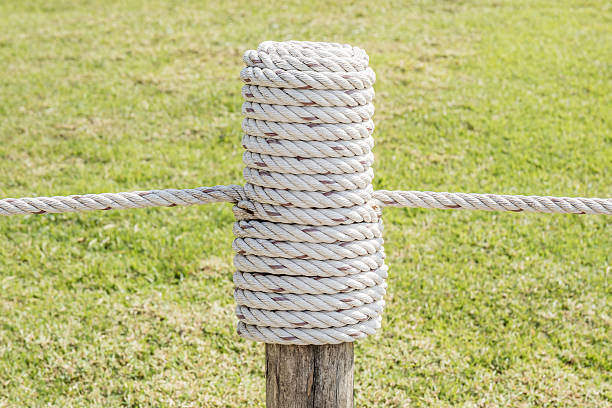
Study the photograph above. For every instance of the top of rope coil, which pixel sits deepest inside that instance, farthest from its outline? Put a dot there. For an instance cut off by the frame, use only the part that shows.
(307, 56)
(308, 65)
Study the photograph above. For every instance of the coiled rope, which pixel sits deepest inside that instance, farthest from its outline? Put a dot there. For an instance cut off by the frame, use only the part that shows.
(309, 250)
(310, 259)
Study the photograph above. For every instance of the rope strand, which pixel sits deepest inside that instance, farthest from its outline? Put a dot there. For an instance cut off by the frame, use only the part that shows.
(233, 194)
(114, 201)
(494, 202)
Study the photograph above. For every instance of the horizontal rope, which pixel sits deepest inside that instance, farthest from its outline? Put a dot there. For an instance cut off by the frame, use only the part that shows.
(115, 201)
(493, 202)
(234, 193)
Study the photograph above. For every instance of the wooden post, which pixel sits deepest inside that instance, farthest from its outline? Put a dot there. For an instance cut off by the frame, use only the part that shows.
(309, 376)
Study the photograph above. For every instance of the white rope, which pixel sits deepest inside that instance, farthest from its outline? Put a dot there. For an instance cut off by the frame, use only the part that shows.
(113, 201)
(234, 194)
(493, 202)
(307, 97)
(309, 267)
(310, 285)
(309, 250)
(310, 131)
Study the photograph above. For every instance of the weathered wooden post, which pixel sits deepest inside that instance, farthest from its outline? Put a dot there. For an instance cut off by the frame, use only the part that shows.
(309, 376)
(310, 266)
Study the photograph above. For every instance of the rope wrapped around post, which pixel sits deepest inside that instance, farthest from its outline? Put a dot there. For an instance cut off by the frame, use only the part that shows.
(310, 259)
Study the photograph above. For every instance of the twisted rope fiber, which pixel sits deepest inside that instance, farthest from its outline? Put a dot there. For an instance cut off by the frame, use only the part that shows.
(494, 202)
(235, 194)
(114, 201)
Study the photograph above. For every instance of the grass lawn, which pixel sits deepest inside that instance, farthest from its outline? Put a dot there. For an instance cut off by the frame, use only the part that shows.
(134, 308)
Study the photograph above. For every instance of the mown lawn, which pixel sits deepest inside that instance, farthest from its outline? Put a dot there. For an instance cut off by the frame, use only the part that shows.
(134, 308)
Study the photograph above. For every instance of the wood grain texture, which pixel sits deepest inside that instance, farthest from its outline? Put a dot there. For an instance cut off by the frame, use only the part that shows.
(309, 376)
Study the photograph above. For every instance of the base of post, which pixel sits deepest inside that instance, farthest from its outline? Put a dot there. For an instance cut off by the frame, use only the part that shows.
(309, 376)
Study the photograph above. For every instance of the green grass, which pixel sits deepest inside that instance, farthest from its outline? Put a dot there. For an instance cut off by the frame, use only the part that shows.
(134, 308)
